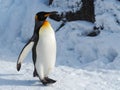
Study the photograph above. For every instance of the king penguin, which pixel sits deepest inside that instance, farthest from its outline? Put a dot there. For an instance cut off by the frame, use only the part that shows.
(43, 45)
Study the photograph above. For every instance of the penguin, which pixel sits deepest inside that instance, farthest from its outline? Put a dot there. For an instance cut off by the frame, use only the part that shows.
(43, 45)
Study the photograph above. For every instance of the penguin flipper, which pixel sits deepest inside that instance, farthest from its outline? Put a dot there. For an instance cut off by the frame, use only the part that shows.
(18, 66)
(24, 53)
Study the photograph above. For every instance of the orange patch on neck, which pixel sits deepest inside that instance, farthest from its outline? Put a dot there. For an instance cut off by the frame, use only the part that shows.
(46, 26)
(46, 23)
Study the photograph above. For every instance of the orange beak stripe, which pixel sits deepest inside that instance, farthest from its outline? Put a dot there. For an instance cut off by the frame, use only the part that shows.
(46, 15)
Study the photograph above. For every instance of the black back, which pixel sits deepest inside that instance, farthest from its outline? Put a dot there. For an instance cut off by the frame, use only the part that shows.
(35, 38)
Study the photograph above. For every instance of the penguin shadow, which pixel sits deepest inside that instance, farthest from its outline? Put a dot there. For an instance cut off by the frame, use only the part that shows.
(4, 81)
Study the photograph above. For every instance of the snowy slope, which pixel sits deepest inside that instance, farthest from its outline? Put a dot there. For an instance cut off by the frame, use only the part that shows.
(83, 63)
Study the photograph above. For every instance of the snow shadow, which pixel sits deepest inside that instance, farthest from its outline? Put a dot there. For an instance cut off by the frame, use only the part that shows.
(5, 81)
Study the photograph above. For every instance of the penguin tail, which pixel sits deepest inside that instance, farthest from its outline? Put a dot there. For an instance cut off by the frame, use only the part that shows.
(18, 66)
(47, 81)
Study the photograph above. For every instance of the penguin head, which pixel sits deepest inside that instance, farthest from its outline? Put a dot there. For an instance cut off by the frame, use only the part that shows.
(41, 16)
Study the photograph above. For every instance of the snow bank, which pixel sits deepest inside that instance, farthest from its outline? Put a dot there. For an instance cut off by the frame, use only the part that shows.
(87, 52)
(17, 22)
(108, 14)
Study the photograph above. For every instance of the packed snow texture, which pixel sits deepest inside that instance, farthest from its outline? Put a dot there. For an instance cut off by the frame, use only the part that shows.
(85, 63)
(69, 5)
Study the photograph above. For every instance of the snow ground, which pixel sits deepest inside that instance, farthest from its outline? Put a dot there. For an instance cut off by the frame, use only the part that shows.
(83, 63)
(67, 78)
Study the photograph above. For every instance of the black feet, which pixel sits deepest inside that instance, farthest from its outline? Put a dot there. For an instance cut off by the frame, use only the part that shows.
(47, 81)
(35, 74)
(50, 80)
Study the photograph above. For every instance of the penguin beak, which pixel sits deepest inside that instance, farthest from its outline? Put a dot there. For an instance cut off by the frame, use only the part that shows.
(50, 13)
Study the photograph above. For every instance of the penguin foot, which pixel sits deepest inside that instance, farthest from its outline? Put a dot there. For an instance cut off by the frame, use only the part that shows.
(35, 74)
(44, 82)
(18, 66)
(50, 80)
(47, 81)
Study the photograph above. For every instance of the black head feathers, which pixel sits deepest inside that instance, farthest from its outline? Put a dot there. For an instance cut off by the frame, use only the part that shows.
(41, 16)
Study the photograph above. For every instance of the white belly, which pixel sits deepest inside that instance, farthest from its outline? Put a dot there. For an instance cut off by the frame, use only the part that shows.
(46, 52)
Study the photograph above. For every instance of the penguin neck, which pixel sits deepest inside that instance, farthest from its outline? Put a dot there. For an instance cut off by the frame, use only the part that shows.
(41, 23)
(38, 25)
(46, 23)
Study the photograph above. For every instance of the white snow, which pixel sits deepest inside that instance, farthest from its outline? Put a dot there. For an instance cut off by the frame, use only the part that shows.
(83, 63)
(67, 78)
(69, 5)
